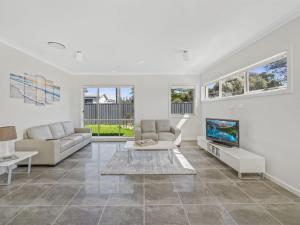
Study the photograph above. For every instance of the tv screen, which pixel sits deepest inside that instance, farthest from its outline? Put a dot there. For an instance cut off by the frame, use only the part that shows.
(223, 131)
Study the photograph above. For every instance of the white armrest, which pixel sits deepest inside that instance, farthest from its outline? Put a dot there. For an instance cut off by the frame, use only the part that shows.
(138, 133)
(49, 151)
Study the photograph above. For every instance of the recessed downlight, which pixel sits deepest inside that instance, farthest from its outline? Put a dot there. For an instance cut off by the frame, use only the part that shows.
(56, 45)
(141, 62)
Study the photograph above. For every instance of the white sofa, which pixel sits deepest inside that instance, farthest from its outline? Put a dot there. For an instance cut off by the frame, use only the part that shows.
(158, 130)
(54, 142)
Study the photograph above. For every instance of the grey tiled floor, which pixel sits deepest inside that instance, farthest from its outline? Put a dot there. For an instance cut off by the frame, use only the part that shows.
(74, 192)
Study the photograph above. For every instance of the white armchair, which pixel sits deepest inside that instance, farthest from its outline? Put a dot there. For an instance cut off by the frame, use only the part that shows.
(158, 130)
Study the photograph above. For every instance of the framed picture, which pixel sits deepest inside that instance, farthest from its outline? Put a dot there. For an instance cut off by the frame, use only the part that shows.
(49, 92)
(29, 89)
(16, 86)
(40, 90)
(33, 89)
(56, 93)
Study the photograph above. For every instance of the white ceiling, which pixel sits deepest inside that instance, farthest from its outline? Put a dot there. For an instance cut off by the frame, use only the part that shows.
(115, 35)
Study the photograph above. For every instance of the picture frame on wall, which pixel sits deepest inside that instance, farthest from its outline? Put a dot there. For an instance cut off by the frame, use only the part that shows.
(49, 92)
(40, 90)
(34, 89)
(16, 86)
(56, 93)
(29, 89)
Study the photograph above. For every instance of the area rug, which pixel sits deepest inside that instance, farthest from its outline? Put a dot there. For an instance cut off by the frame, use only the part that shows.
(153, 162)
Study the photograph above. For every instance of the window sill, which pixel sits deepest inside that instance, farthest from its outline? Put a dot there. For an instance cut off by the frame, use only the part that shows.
(279, 91)
(185, 116)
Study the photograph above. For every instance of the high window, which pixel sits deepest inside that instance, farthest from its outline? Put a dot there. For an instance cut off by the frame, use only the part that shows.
(265, 76)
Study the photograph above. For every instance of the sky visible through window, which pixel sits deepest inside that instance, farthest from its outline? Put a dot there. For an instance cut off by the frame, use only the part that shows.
(111, 92)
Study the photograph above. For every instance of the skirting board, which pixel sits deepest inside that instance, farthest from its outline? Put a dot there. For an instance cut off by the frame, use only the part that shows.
(112, 139)
(283, 184)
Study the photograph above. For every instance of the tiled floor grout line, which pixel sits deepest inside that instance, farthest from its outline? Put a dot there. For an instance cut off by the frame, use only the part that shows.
(150, 204)
(27, 205)
(21, 185)
(144, 200)
(254, 203)
(270, 214)
(107, 200)
(66, 206)
(125, 181)
(17, 214)
(258, 203)
(104, 208)
(182, 205)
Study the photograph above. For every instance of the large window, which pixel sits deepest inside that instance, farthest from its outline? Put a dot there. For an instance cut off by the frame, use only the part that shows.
(109, 111)
(268, 75)
(182, 100)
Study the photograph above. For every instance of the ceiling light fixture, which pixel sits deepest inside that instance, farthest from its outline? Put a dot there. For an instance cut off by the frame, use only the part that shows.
(141, 62)
(56, 45)
(185, 55)
(79, 56)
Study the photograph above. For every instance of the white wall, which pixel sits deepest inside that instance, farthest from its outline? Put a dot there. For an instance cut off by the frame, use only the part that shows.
(269, 125)
(151, 96)
(15, 111)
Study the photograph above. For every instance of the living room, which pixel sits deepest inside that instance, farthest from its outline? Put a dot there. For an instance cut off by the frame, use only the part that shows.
(180, 66)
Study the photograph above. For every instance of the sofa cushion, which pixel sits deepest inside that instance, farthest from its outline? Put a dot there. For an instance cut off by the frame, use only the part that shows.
(148, 126)
(66, 144)
(163, 125)
(40, 132)
(57, 130)
(68, 127)
(150, 135)
(84, 135)
(76, 138)
(166, 136)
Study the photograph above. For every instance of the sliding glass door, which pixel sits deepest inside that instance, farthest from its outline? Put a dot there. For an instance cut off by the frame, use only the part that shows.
(109, 111)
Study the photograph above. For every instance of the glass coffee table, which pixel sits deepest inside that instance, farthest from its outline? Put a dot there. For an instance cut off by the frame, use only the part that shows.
(159, 146)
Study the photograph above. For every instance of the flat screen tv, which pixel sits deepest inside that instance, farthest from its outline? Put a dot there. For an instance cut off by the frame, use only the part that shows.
(223, 131)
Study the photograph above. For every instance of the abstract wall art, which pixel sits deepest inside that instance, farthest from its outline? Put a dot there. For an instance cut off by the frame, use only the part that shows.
(34, 89)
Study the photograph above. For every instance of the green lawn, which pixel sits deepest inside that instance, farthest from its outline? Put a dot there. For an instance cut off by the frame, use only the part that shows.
(111, 130)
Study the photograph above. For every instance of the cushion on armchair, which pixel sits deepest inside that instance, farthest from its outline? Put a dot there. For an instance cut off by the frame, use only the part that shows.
(166, 136)
(163, 125)
(150, 135)
(148, 126)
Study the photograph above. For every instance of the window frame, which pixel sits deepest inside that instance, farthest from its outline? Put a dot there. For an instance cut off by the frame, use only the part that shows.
(82, 87)
(231, 77)
(247, 93)
(194, 100)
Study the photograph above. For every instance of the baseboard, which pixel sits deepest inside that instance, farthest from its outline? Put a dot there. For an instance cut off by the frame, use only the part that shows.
(189, 139)
(283, 184)
(96, 139)
(112, 139)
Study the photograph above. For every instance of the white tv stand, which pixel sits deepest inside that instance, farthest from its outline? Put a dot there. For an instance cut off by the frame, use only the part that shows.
(239, 159)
